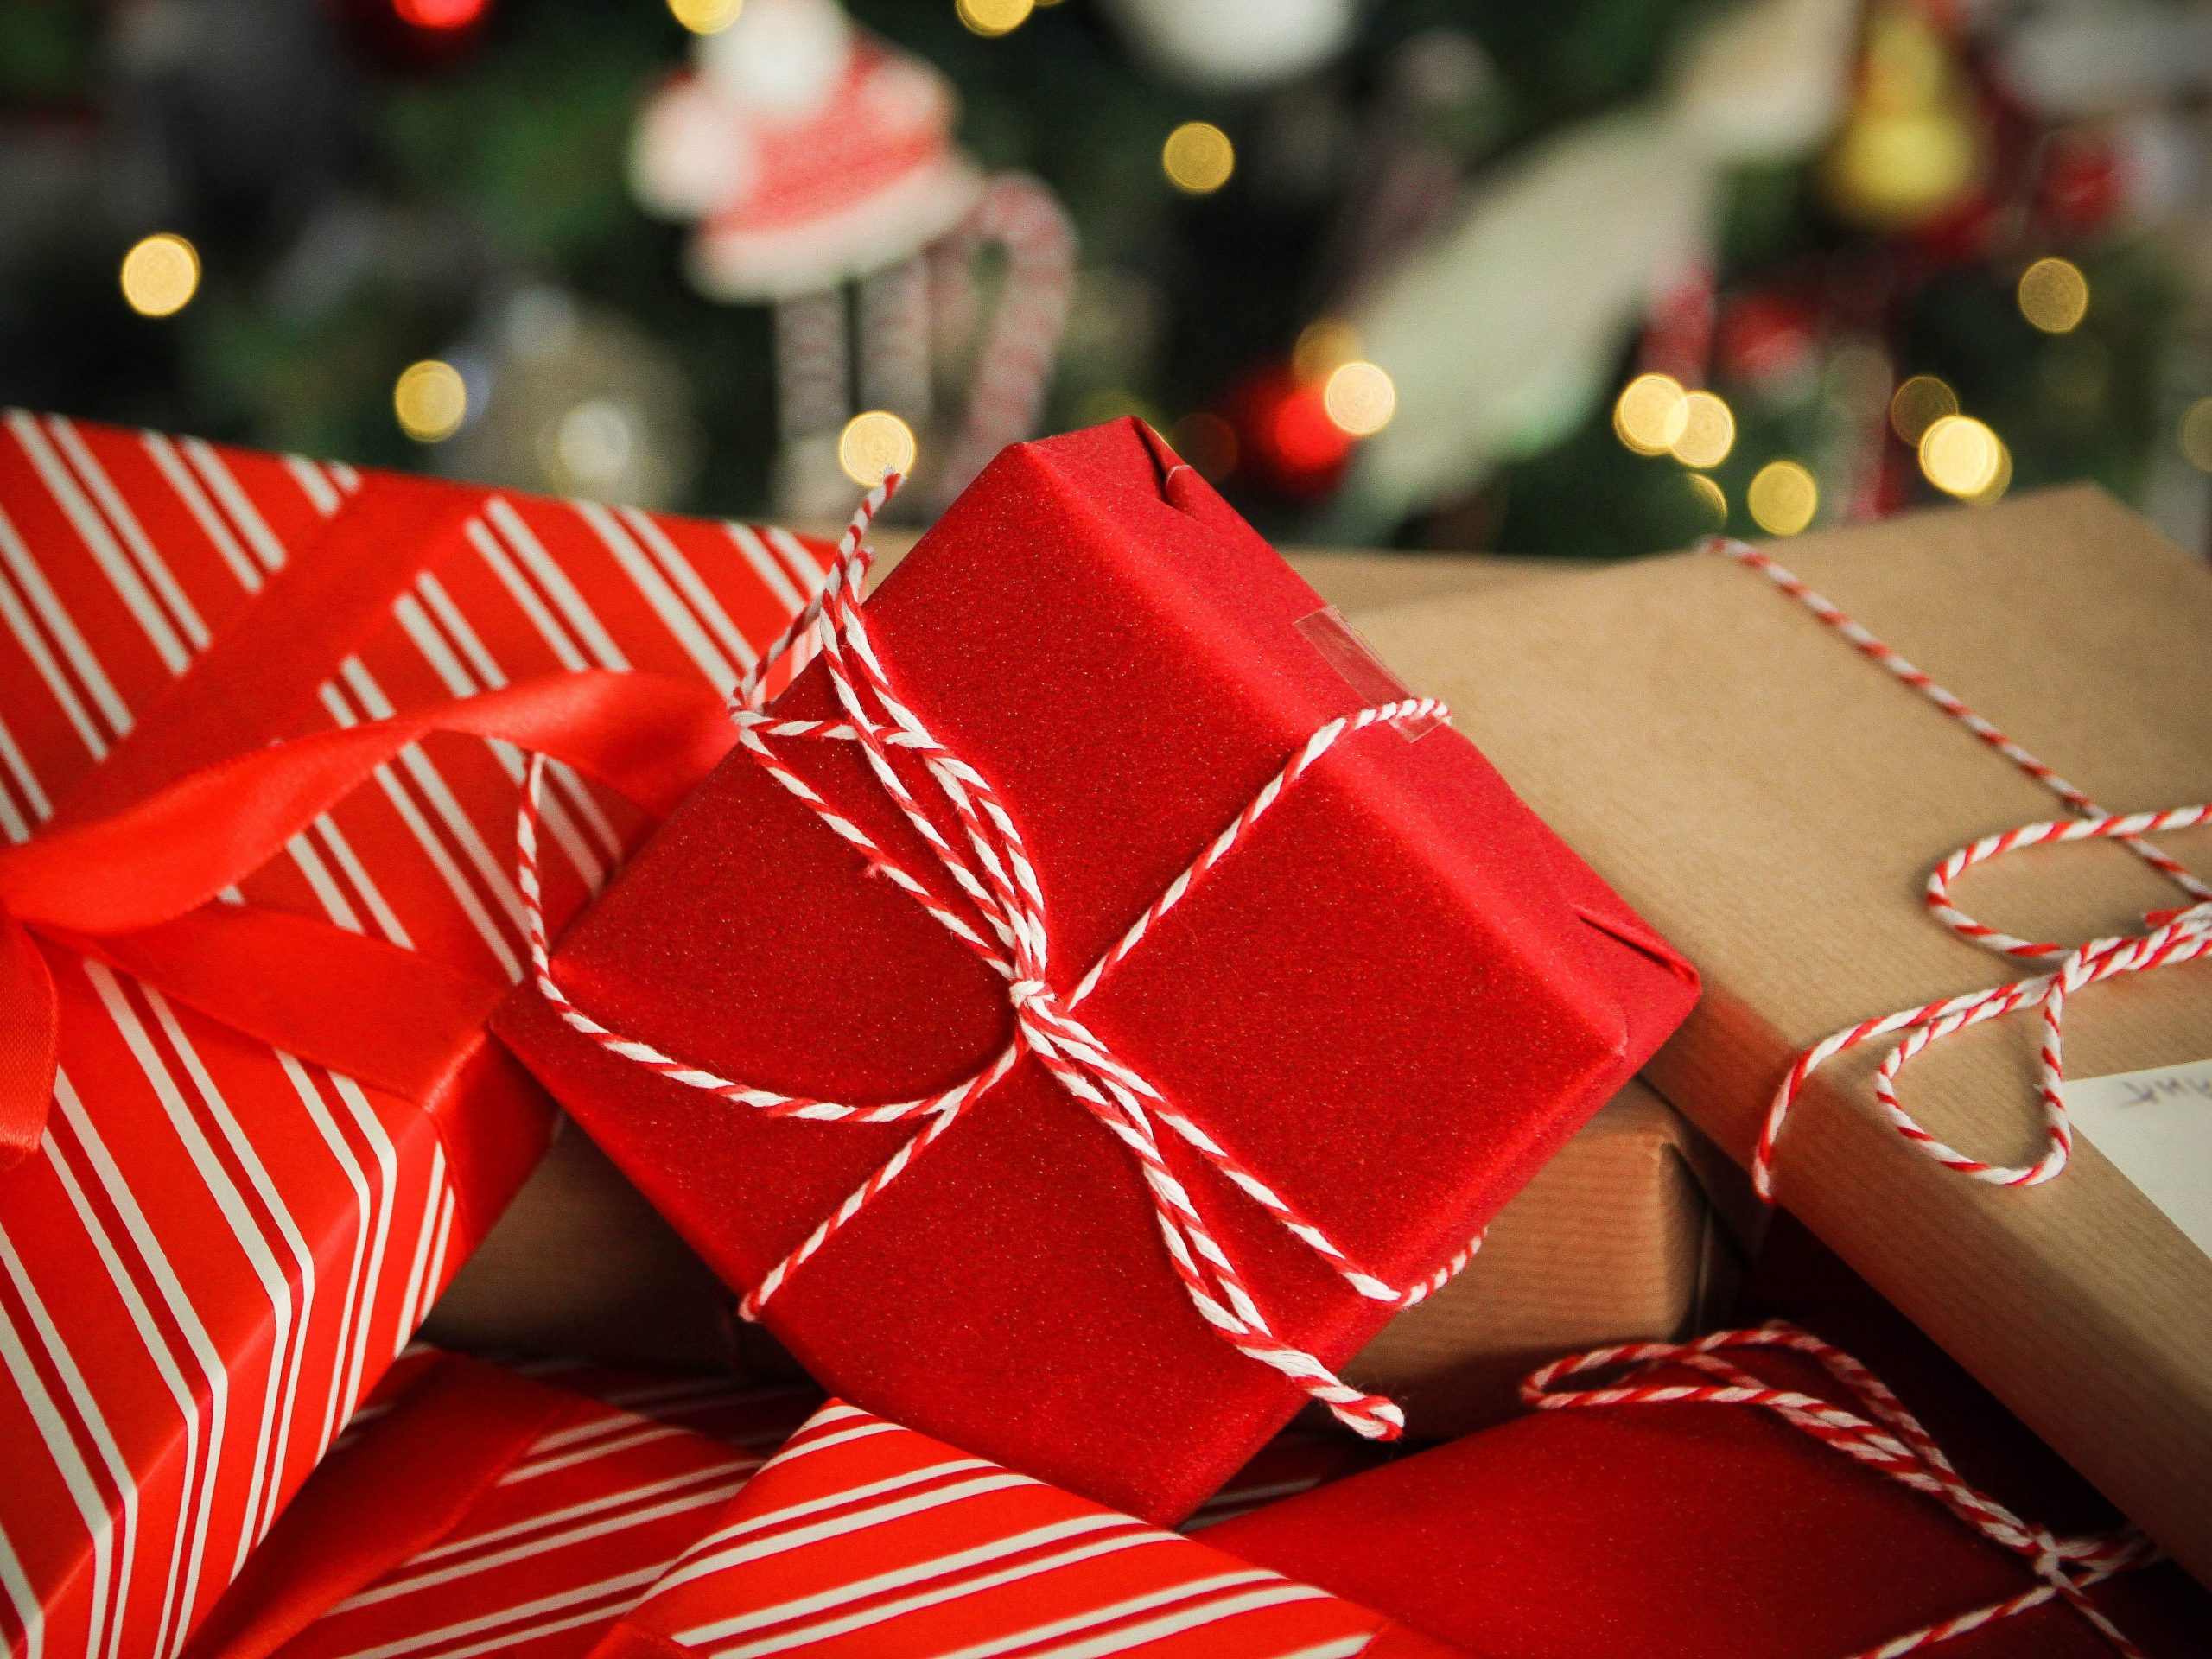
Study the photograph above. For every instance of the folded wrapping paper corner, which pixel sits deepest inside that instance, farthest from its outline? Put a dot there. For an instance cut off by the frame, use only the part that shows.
(1396, 976)
(860, 1537)
(1750, 1491)
(218, 1245)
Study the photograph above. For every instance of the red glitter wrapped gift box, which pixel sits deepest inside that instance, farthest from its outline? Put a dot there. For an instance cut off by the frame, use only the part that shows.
(1325, 1045)
(1757, 1492)
(210, 1245)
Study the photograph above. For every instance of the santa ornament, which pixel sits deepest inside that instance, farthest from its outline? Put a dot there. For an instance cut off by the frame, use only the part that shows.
(812, 156)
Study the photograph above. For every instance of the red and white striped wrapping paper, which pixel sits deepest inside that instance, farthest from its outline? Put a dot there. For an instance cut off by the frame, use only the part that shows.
(566, 1530)
(218, 1248)
(860, 1537)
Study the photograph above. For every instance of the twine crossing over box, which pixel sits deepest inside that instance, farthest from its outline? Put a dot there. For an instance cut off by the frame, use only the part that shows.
(1799, 786)
(245, 1169)
(1030, 1104)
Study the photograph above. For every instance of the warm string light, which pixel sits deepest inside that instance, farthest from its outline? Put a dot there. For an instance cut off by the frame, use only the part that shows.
(1708, 431)
(431, 400)
(873, 443)
(1198, 158)
(991, 18)
(705, 16)
(2054, 295)
(160, 275)
(1709, 495)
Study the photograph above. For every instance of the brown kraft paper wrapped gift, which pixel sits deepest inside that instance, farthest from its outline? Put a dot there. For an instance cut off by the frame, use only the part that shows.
(1774, 801)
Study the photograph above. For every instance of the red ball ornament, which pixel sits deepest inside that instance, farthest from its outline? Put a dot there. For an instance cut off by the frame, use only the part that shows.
(1765, 338)
(1288, 442)
(2081, 184)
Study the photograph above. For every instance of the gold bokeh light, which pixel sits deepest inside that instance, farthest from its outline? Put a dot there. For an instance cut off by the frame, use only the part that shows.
(1324, 346)
(991, 18)
(1708, 431)
(1709, 495)
(1198, 158)
(160, 275)
(1648, 417)
(431, 400)
(874, 443)
(2054, 295)
(1918, 404)
(705, 16)
(1961, 456)
(1360, 398)
(1782, 498)
(2195, 434)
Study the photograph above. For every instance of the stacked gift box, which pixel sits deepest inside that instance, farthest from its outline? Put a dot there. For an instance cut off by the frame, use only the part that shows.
(1068, 1099)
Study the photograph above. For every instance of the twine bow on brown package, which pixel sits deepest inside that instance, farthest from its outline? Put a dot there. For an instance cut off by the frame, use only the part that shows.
(1774, 800)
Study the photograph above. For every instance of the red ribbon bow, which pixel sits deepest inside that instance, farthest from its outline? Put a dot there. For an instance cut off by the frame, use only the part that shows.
(132, 888)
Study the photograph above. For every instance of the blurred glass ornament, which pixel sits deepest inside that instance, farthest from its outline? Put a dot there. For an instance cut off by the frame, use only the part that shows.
(580, 401)
(1767, 339)
(1286, 442)
(1240, 44)
(1911, 148)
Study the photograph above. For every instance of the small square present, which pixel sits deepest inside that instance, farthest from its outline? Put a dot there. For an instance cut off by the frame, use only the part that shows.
(1008, 1109)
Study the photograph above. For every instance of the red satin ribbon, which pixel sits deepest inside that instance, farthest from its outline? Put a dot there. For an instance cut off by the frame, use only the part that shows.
(132, 888)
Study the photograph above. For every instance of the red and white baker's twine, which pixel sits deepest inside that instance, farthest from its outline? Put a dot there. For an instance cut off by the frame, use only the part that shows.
(1881, 1434)
(2173, 936)
(986, 859)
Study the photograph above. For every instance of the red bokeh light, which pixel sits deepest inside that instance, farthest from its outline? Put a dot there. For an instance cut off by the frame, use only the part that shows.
(439, 14)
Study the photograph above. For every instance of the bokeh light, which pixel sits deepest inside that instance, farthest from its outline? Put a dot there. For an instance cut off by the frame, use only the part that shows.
(1710, 496)
(2195, 434)
(874, 443)
(1208, 442)
(1961, 456)
(1324, 346)
(1918, 404)
(706, 17)
(431, 400)
(1708, 431)
(439, 14)
(1648, 417)
(2054, 295)
(1360, 398)
(1782, 498)
(990, 18)
(160, 275)
(1198, 158)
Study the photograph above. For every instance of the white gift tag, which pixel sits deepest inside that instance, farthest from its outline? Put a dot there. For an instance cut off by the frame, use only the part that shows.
(2156, 1125)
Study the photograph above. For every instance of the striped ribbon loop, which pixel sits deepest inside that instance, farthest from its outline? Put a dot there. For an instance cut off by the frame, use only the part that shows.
(984, 856)
(2171, 937)
(1883, 1434)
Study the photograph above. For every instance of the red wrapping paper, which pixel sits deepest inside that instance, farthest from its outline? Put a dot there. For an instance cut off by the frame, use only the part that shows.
(215, 1249)
(1685, 1529)
(481, 1511)
(1399, 983)
(861, 1538)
